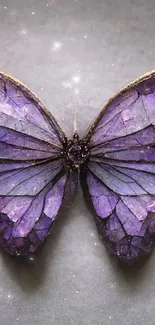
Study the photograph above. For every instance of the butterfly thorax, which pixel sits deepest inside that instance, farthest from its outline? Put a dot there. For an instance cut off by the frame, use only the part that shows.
(76, 152)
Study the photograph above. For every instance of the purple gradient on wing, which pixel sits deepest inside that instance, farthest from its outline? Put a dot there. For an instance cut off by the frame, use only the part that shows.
(24, 227)
(129, 112)
(121, 172)
(20, 111)
(32, 175)
(15, 145)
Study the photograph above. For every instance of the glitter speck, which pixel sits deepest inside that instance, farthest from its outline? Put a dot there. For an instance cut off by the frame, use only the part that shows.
(95, 244)
(77, 291)
(76, 91)
(110, 317)
(85, 36)
(57, 46)
(9, 296)
(76, 79)
(23, 32)
(126, 114)
(67, 85)
(73, 275)
(31, 259)
(42, 88)
(33, 13)
(5, 7)
(47, 5)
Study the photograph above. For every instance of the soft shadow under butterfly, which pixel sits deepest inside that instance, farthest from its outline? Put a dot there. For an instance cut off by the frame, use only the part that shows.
(115, 161)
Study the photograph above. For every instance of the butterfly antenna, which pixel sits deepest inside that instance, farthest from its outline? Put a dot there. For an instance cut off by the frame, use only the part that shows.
(75, 123)
(75, 133)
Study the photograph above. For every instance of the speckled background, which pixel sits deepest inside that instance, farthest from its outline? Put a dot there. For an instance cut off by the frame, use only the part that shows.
(75, 54)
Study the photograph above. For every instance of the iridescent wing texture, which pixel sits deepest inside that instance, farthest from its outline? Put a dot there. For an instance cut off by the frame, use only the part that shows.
(121, 171)
(32, 176)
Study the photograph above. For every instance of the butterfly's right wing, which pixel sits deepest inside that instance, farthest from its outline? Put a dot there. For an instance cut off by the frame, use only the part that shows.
(121, 172)
(32, 175)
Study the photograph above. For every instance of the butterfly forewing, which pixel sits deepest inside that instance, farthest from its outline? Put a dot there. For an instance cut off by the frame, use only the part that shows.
(32, 175)
(121, 171)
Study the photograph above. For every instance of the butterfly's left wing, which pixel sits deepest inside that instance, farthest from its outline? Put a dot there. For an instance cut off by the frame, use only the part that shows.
(120, 175)
(32, 175)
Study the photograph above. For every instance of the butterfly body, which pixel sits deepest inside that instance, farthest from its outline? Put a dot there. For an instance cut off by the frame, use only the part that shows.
(115, 160)
(76, 152)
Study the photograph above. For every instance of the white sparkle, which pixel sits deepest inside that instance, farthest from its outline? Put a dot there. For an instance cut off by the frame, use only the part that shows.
(73, 275)
(72, 39)
(76, 79)
(110, 317)
(85, 36)
(92, 234)
(5, 8)
(57, 46)
(95, 244)
(151, 206)
(23, 32)
(33, 13)
(112, 64)
(47, 4)
(76, 91)
(7, 41)
(31, 258)
(9, 296)
(42, 88)
(67, 84)
(77, 291)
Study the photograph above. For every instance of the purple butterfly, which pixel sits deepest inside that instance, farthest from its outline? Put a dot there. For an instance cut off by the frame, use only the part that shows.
(116, 161)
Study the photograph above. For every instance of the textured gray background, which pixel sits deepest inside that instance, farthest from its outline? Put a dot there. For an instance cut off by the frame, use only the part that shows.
(75, 54)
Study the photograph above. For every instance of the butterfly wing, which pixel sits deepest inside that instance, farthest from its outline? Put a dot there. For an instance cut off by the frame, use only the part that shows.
(32, 176)
(121, 172)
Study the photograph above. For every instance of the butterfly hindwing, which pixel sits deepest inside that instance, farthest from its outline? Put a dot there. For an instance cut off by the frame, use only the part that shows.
(121, 171)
